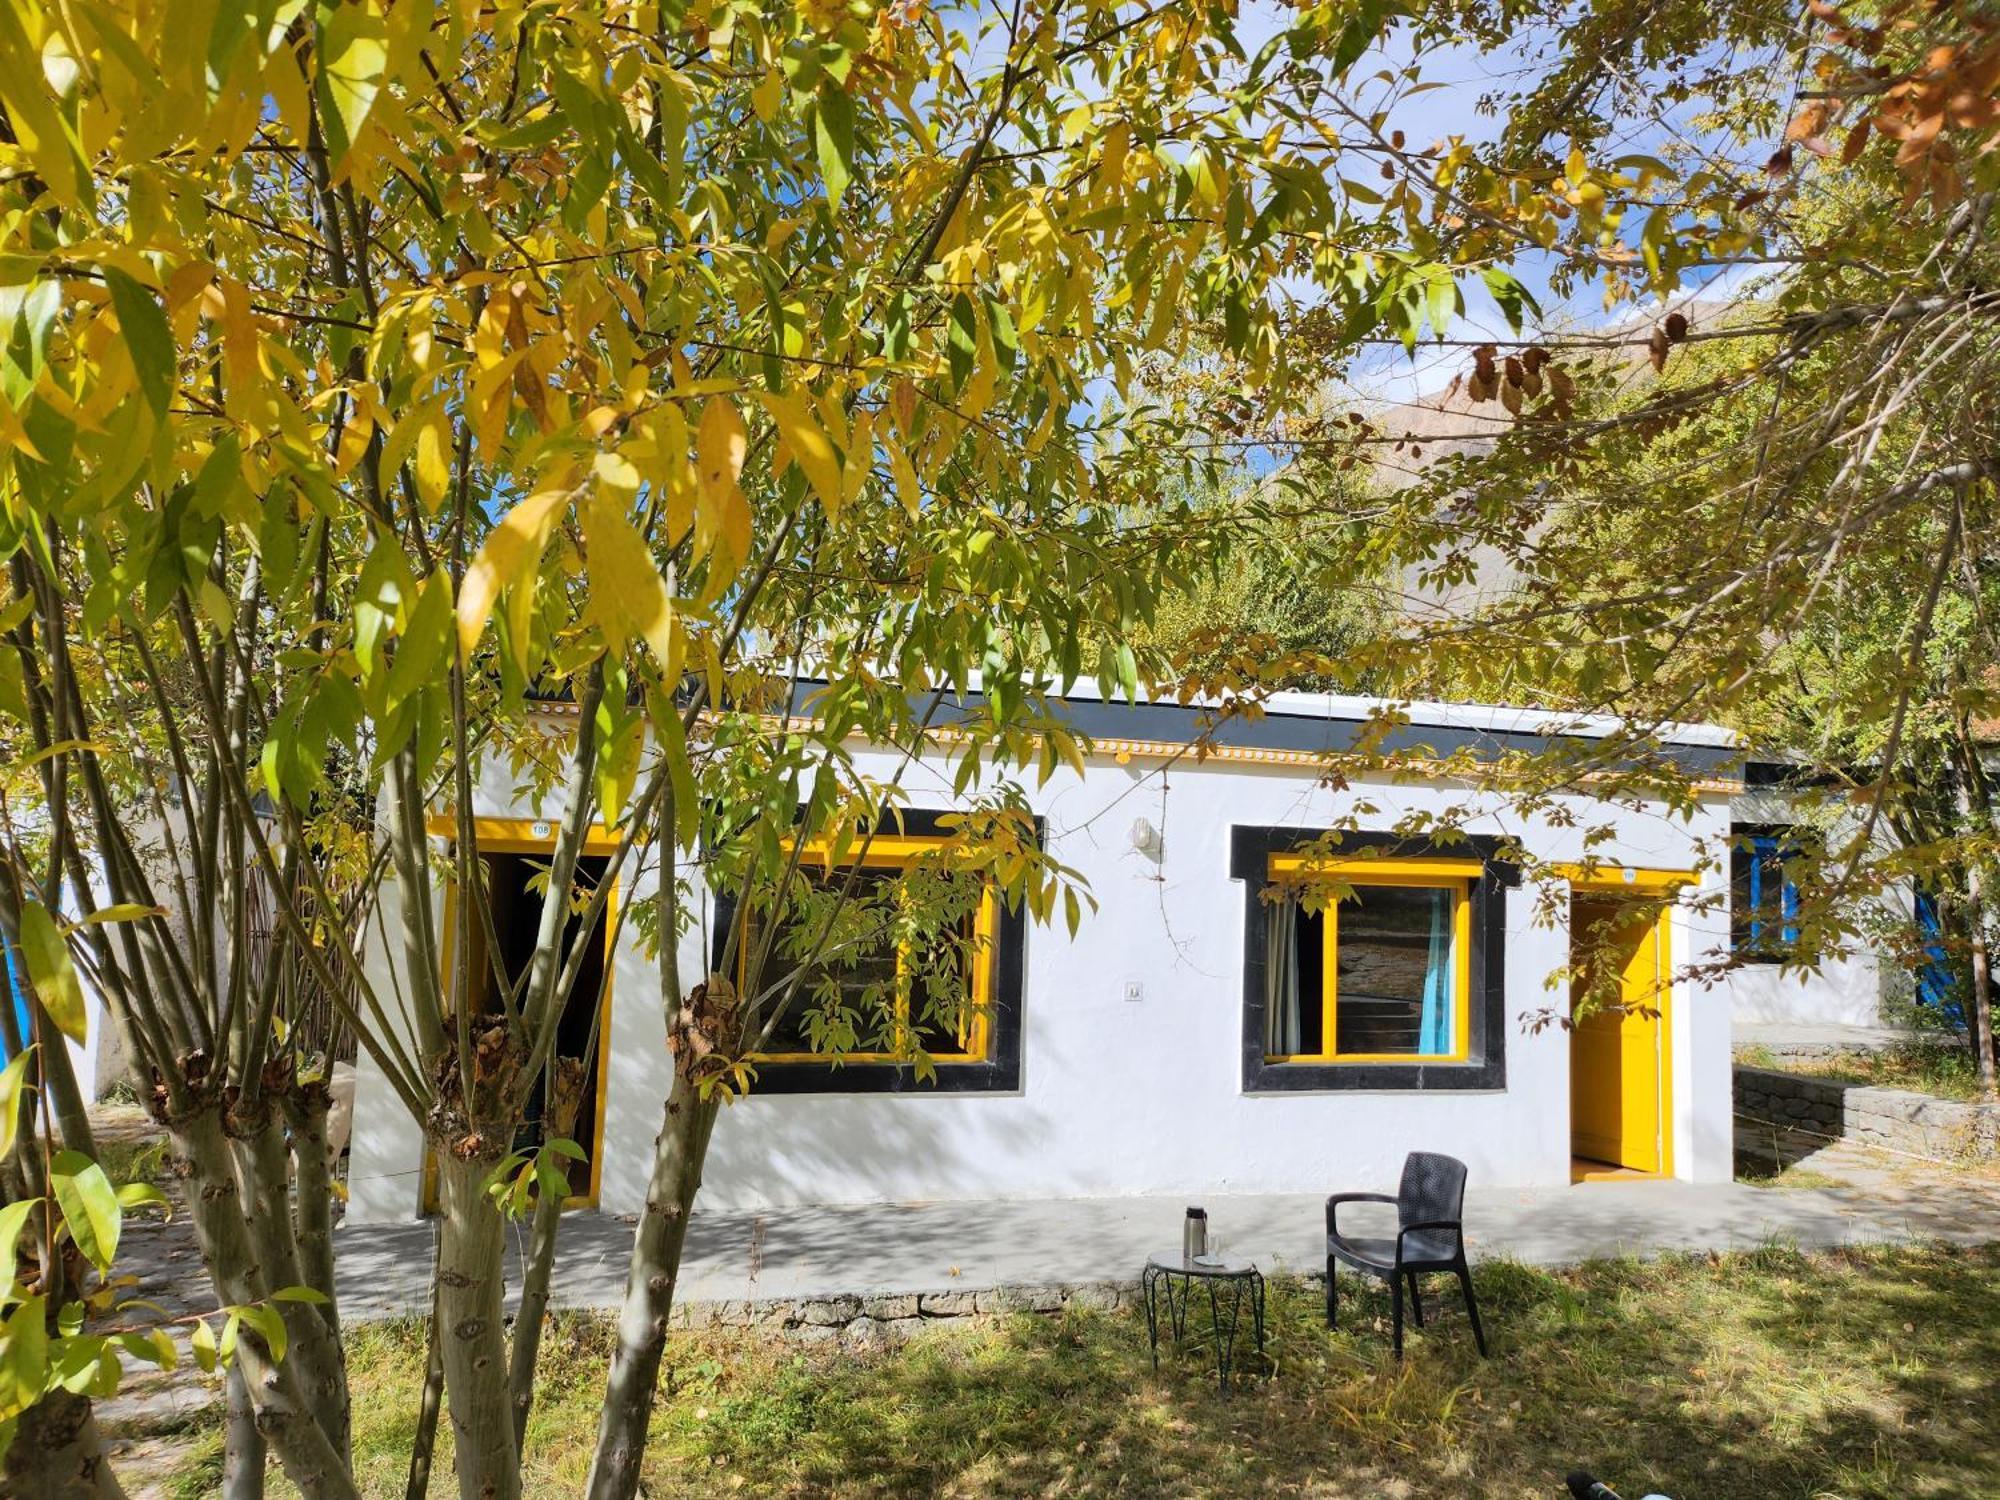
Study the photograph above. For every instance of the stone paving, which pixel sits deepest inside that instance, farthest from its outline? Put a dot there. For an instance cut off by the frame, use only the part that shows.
(1018, 1248)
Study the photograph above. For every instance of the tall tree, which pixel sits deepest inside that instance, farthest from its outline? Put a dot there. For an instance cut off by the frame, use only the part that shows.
(374, 367)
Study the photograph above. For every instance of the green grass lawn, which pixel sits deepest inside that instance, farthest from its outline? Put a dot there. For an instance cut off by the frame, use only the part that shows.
(1771, 1374)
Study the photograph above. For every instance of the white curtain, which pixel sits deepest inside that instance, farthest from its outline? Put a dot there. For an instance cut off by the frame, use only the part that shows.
(1282, 1030)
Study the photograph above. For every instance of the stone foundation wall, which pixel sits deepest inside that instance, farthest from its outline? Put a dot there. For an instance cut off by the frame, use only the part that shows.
(1897, 1119)
(863, 1322)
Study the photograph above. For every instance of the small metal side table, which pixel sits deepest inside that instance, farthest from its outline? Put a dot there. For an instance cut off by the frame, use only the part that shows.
(1168, 1284)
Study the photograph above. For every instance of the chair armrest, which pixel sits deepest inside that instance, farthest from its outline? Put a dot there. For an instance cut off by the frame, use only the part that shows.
(1456, 1227)
(1337, 1199)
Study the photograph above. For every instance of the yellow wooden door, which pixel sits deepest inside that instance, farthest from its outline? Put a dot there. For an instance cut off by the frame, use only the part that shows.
(1618, 1065)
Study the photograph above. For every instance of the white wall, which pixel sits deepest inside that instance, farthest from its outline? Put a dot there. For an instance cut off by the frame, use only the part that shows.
(1119, 1097)
(1845, 990)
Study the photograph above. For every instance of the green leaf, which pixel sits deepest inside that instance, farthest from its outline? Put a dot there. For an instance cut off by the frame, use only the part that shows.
(1510, 295)
(143, 1195)
(52, 972)
(123, 911)
(382, 592)
(300, 1294)
(833, 140)
(10, 1102)
(24, 1357)
(77, 1365)
(267, 1323)
(353, 53)
(1442, 300)
(424, 650)
(142, 323)
(13, 1219)
(152, 1345)
(89, 1205)
(962, 341)
(201, 1339)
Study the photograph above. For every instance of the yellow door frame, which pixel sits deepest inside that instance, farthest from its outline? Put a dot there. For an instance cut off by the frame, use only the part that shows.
(520, 836)
(1625, 879)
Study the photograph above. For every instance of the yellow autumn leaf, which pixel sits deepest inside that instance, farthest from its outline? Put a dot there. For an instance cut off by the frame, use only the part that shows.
(617, 477)
(509, 548)
(860, 441)
(908, 490)
(720, 446)
(433, 467)
(806, 445)
(627, 595)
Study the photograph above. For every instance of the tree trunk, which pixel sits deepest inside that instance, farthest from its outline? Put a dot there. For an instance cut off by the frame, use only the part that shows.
(66, 1100)
(472, 1249)
(242, 1443)
(678, 1155)
(284, 1416)
(1975, 804)
(1982, 1002)
(58, 1454)
(424, 1445)
(306, 1109)
(263, 1180)
(566, 1096)
(527, 1344)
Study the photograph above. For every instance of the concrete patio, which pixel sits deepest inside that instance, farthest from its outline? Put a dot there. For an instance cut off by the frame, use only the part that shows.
(895, 1249)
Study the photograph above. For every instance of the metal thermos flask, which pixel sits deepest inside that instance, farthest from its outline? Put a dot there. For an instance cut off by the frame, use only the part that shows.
(1194, 1234)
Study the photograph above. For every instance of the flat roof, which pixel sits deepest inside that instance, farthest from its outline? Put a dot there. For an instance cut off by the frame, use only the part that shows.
(1296, 724)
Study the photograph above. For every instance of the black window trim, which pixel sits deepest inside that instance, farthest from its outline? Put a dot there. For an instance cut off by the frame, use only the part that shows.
(1485, 1066)
(999, 1072)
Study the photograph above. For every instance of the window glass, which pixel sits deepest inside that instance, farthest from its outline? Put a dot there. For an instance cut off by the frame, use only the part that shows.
(873, 977)
(1393, 967)
(1379, 975)
(1764, 897)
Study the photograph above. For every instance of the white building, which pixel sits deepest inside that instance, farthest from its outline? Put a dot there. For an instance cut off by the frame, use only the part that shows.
(1191, 1038)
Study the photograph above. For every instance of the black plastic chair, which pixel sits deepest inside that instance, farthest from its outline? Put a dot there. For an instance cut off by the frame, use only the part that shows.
(1430, 1236)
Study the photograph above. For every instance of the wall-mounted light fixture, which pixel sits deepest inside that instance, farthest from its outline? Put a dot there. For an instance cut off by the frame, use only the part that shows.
(1145, 838)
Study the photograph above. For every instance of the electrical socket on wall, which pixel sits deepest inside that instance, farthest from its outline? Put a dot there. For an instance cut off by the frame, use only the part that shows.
(1135, 991)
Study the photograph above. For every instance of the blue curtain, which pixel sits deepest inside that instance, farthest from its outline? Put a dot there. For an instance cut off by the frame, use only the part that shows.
(1767, 854)
(1936, 984)
(1434, 1024)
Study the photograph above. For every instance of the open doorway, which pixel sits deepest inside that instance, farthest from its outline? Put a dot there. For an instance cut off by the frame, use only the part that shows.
(1621, 1054)
(566, 1097)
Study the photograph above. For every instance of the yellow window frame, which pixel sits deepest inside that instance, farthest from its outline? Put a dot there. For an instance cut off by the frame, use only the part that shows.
(1453, 875)
(899, 852)
(521, 836)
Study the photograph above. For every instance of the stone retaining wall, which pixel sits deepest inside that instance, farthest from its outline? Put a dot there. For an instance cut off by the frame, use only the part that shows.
(863, 1322)
(1893, 1118)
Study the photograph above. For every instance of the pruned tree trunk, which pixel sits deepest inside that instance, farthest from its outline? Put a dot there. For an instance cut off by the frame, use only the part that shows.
(472, 1250)
(678, 1155)
(58, 1454)
(263, 1177)
(284, 1415)
(243, 1451)
(306, 1108)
